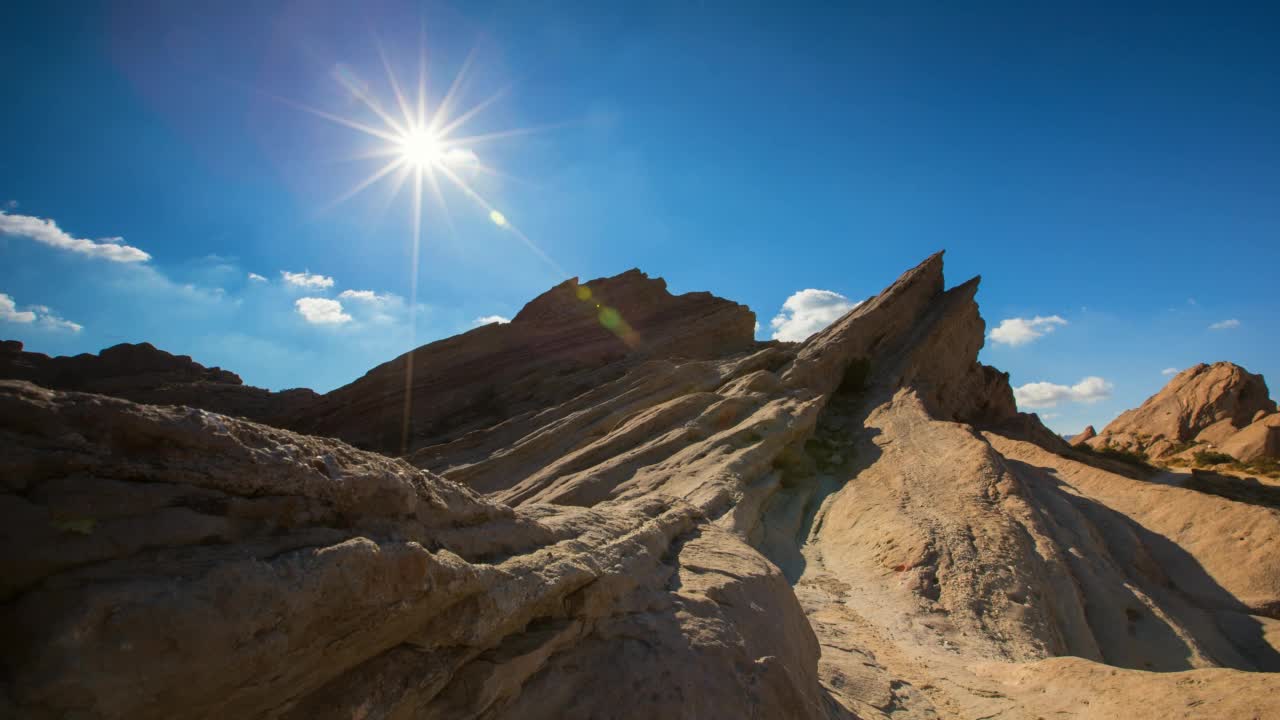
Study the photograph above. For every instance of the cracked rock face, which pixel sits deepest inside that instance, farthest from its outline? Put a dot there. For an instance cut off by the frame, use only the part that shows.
(653, 516)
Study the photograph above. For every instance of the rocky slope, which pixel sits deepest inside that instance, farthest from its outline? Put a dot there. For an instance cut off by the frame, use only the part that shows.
(1219, 407)
(569, 339)
(860, 525)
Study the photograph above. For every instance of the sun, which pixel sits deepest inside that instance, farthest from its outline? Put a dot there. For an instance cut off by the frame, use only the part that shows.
(421, 149)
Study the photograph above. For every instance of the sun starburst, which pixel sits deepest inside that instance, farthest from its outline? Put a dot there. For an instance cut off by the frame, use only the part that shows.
(423, 145)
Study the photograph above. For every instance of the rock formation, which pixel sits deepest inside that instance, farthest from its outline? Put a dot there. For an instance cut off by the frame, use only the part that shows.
(1085, 436)
(1220, 406)
(145, 374)
(683, 524)
(572, 338)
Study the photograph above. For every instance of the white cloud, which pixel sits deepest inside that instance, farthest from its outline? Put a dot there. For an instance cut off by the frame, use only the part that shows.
(306, 280)
(368, 296)
(9, 311)
(1020, 331)
(256, 277)
(1169, 371)
(1225, 324)
(808, 311)
(490, 319)
(48, 233)
(321, 311)
(1047, 394)
(34, 315)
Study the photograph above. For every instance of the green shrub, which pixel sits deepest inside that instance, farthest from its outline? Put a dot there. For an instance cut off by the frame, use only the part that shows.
(1211, 457)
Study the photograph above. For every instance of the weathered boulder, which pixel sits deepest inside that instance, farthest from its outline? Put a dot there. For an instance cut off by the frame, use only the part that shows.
(1084, 436)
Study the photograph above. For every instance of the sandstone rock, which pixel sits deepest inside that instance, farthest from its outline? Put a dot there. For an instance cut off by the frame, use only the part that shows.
(163, 562)
(1259, 439)
(658, 519)
(1084, 436)
(1194, 401)
(565, 342)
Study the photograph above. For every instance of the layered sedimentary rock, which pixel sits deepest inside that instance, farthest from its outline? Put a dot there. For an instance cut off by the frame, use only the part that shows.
(145, 374)
(1220, 406)
(566, 341)
(860, 525)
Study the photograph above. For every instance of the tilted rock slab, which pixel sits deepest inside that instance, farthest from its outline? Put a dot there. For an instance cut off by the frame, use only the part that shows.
(860, 525)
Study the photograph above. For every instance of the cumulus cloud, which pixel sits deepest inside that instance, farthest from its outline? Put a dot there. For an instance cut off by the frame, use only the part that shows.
(39, 315)
(48, 233)
(1225, 324)
(367, 296)
(9, 311)
(321, 311)
(1169, 371)
(490, 319)
(808, 311)
(306, 279)
(1020, 331)
(256, 277)
(1046, 394)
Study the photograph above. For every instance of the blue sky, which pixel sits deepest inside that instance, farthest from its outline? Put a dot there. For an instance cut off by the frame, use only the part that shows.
(1113, 172)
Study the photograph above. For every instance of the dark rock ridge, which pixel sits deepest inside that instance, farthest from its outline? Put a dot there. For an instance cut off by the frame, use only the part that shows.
(656, 522)
(142, 373)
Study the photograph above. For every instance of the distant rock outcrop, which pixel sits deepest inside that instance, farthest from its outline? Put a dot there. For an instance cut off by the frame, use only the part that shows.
(145, 374)
(1084, 436)
(1205, 405)
(640, 520)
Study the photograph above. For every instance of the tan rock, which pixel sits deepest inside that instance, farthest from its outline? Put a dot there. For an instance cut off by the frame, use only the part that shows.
(667, 521)
(1084, 436)
(1259, 439)
(1195, 400)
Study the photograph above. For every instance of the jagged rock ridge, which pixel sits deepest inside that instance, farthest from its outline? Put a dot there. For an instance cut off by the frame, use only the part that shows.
(860, 525)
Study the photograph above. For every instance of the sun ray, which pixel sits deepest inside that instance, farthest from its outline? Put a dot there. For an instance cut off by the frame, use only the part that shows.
(422, 76)
(442, 110)
(514, 132)
(475, 110)
(366, 129)
(395, 88)
(375, 177)
(372, 104)
(506, 223)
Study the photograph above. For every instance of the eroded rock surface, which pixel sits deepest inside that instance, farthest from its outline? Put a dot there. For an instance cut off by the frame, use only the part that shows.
(1220, 406)
(685, 523)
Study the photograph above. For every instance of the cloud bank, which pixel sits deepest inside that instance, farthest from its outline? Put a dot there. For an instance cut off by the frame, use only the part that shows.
(808, 311)
(1046, 394)
(1020, 331)
(48, 233)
